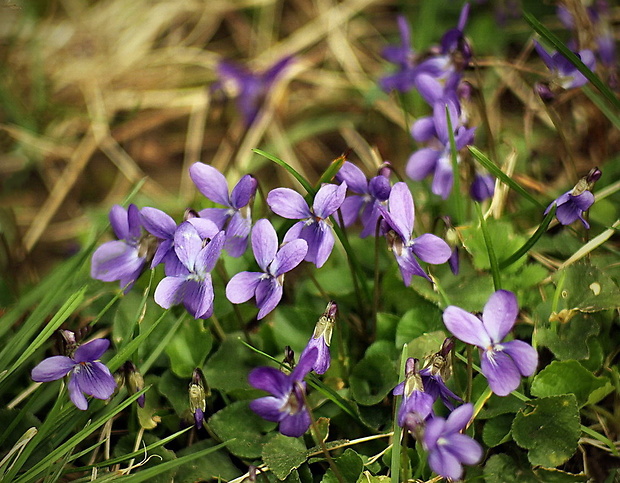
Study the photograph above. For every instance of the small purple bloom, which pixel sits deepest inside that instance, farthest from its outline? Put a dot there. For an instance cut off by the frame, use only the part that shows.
(236, 218)
(482, 188)
(438, 369)
(86, 374)
(370, 194)
(314, 226)
(503, 363)
(400, 217)
(253, 87)
(198, 392)
(266, 286)
(448, 449)
(123, 259)
(565, 73)
(321, 338)
(286, 405)
(198, 252)
(162, 226)
(415, 401)
(572, 204)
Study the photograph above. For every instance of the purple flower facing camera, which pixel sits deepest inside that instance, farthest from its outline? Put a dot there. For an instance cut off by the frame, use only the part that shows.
(266, 286)
(87, 375)
(503, 363)
(314, 226)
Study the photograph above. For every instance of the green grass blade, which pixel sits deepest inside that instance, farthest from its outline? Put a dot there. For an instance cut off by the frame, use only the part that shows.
(499, 174)
(497, 280)
(34, 472)
(540, 231)
(599, 102)
(398, 431)
(307, 186)
(596, 81)
(331, 170)
(20, 340)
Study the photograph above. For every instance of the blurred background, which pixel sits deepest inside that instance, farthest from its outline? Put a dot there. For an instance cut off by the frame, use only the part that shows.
(97, 97)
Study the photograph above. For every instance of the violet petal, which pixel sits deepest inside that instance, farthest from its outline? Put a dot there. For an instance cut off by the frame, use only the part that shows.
(52, 369)
(501, 372)
(500, 314)
(288, 204)
(210, 182)
(264, 243)
(466, 327)
(91, 351)
(242, 286)
(431, 249)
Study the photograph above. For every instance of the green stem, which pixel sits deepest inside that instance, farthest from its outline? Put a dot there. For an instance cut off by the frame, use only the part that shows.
(497, 282)
(398, 431)
(540, 231)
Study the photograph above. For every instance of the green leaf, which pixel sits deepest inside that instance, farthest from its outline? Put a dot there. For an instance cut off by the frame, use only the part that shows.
(249, 431)
(501, 468)
(189, 347)
(283, 454)
(372, 379)
(570, 377)
(349, 465)
(229, 367)
(497, 430)
(425, 345)
(386, 326)
(175, 390)
(424, 317)
(549, 429)
(207, 468)
(571, 339)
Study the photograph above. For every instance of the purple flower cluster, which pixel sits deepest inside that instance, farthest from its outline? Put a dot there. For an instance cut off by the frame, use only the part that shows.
(438, 77)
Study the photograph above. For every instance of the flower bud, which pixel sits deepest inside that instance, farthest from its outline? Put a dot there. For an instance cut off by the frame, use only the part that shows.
(134, 381)
(198, 392)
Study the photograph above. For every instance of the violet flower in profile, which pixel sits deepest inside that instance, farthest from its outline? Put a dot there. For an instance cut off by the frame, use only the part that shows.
(400, 217)
(365, 204)
(236, 218)
(314, 226)
(572, 204)
(87, 375)
(565, 73)
(322, 337)
(266, 286)
(417, 405)
(436, 372)
(448, 449)
(287, 404)
(502, 363)
(252, 87)
(198, 392)
(123, 259)
(198, 252)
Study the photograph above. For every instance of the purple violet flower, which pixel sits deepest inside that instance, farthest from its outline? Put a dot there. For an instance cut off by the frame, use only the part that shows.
(321, 338)
(572, 204)
(400, 217)
(162, 226)
(198, 252)
(253, 87)
(86, 374)
(123, 259)
(370, 194)
(314, 226)
(565, 73)
(448, 449)
(236, 218)
(416, 402)
(502, 363)
(482, 188)
(266, 286)
(438, 369)
(286, 405)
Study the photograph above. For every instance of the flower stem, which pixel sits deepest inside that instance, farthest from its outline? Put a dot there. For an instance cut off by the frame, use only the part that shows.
(497, 281)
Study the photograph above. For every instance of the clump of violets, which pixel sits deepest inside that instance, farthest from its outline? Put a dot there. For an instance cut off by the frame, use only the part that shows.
(266, 286)
(252, 87)
(314, 225)
(572, 204)
(123, 259)
(322, 337)
(236, 217)
(286, 405)
(502, 363)
(87, 375)
(448, 448)
(399, 217)
(198, 251)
